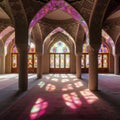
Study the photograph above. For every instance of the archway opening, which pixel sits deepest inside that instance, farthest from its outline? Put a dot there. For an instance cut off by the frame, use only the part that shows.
(59, 6)
(59, 58)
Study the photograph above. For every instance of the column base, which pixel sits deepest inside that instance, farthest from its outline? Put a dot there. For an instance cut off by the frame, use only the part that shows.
(39, 76)
(78, 76)
(94, 90)
(22, 89)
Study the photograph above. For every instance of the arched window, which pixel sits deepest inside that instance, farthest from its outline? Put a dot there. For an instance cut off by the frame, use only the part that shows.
(103, 49)
(59, 58)
(85, 48)
(32, 59)
(59, 47)
(85, 56)
(102, 58)
(14, 49)
(32, 48)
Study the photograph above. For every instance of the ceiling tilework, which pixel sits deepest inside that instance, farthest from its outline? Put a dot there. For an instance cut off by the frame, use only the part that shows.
(84, 7)
(71, 28)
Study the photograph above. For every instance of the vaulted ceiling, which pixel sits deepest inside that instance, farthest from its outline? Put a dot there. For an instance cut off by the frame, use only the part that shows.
(59, 18)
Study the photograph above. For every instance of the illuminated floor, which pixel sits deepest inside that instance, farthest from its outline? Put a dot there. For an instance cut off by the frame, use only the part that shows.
(64, 97)
(9, 87)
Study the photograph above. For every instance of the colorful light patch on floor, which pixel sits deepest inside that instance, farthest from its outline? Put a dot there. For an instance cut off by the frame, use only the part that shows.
(41, 84)
(72, 100)
(89, 96)
(71, 76)
(67, 87)
(47, 77)
(64, 80)
(50, 87)
(55, 79)
(78, 84)
(38, 109)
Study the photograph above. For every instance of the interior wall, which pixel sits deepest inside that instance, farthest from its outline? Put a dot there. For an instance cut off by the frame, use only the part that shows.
(2, 64)
(8, 63)
(45, 63)
(72, 63)
(8, 59)
(119, 64)
(2, 58)
(111, 63)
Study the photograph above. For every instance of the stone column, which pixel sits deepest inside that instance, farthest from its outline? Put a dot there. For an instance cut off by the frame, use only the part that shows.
(78, 65)
(39, 65)
(116, 64)
(93, 70)
(23, 72)
(2, 64)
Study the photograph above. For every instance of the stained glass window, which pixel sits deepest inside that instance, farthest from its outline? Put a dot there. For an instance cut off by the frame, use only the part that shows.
(102, 56)
(32, 58)
(14, 60)
(52, 61)
(99, 61)
(14, 49)
(35, 61)
(67, 61)
(30, 63)
(85, 48)
(105, 61)
(62, 60)
(59, 55)
(87, 61)
(103, 49)
(14, 56)
(32, 48)
(57, 61)
(83, 61)
(59, 47)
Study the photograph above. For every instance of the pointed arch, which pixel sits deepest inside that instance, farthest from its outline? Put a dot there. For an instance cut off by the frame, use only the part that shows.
(58, 29)
(109, 40)
(6, 31)
(62, 5)
(8, 41)
(59, 47)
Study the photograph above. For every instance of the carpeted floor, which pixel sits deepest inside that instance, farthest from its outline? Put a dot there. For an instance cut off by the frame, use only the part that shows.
(60, 97)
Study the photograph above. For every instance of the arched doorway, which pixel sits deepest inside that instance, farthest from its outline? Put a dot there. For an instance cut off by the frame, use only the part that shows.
(32, 59)
(103, 59)
(59, 58)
